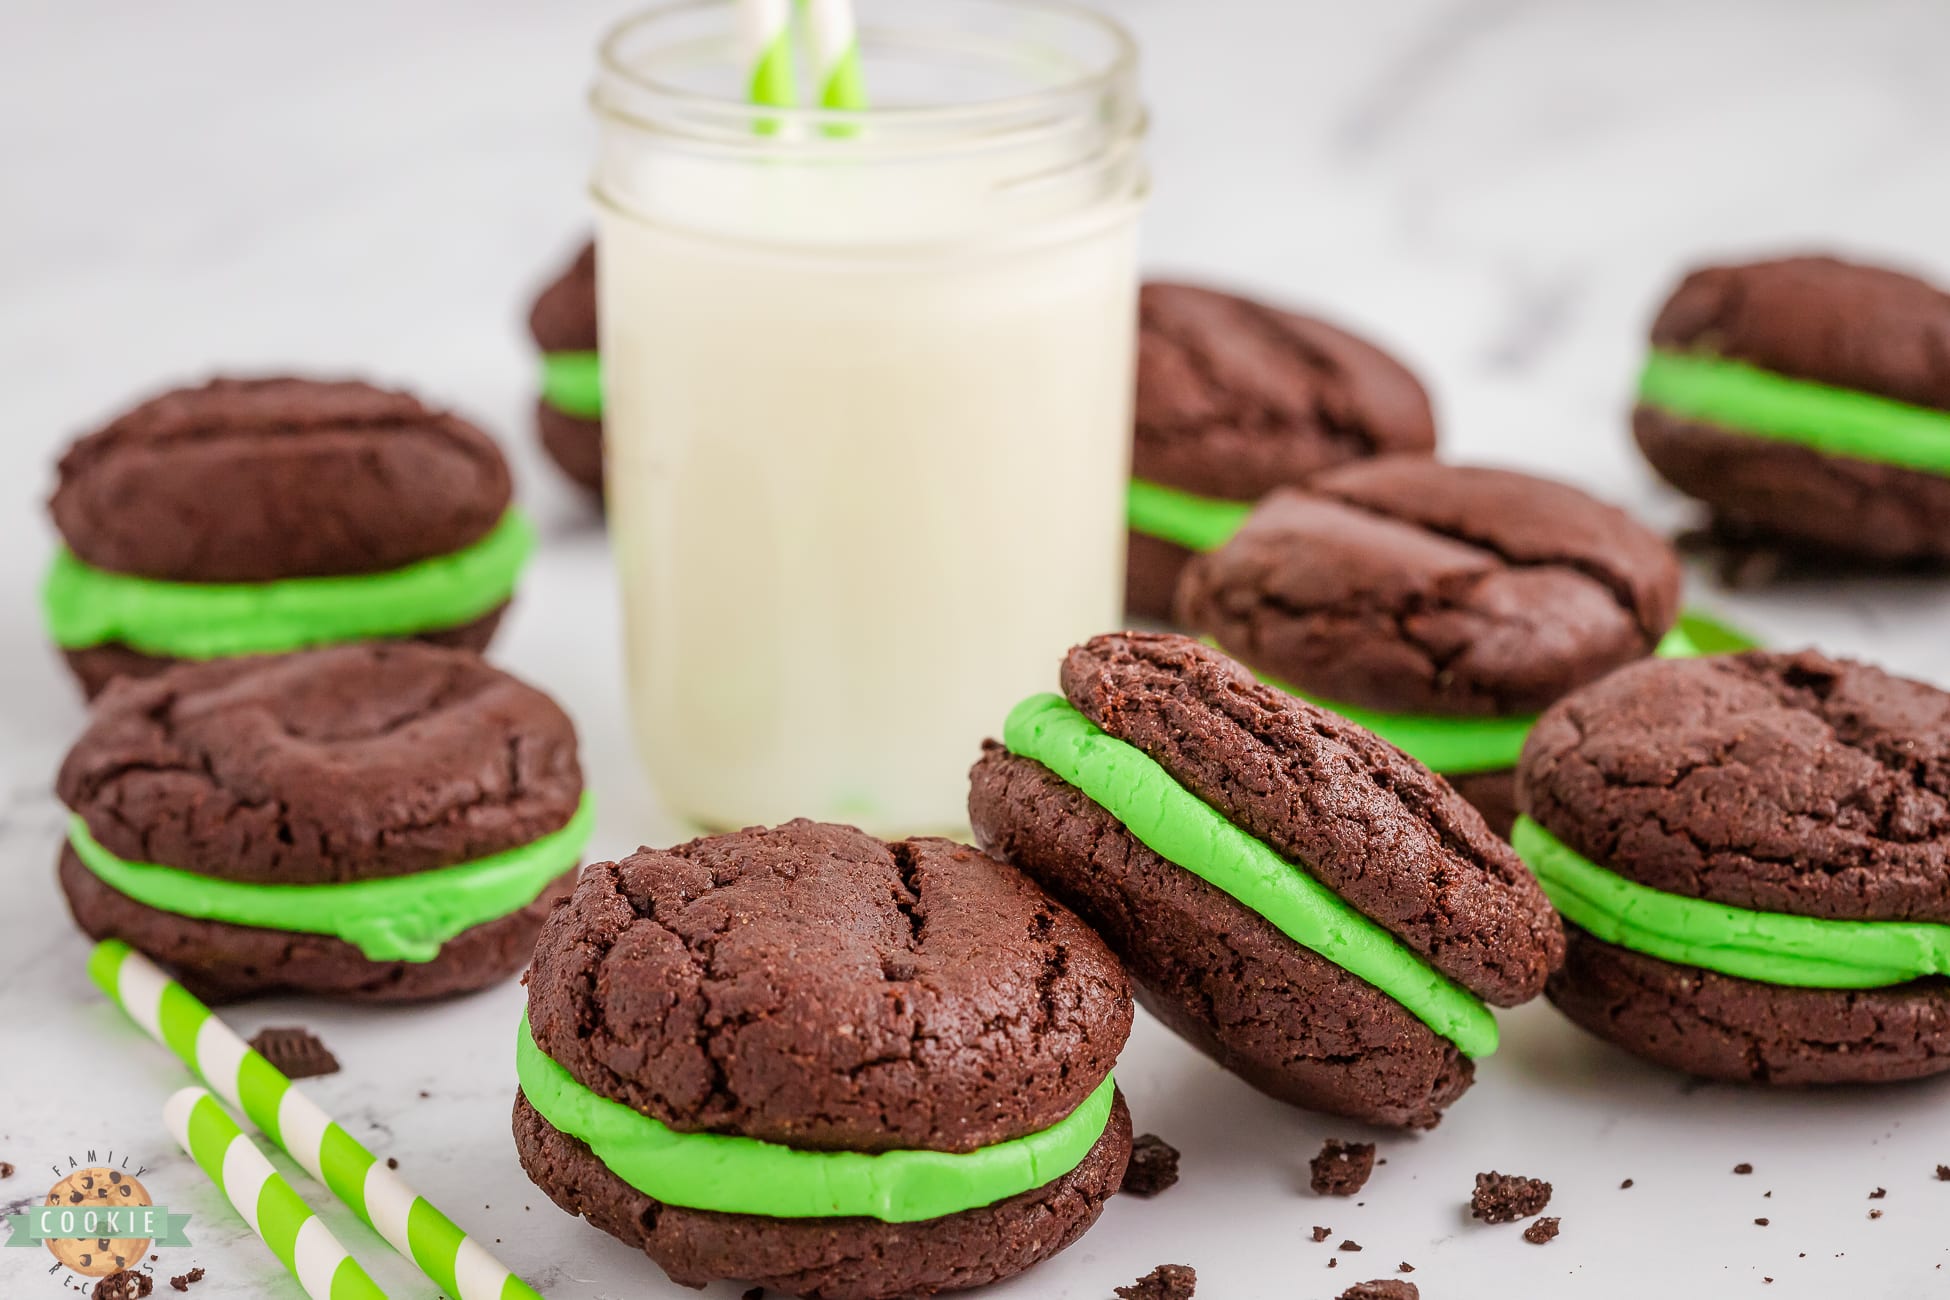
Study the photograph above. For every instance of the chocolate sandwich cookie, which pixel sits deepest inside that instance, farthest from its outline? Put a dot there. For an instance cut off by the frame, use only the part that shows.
(386, 821)
(1439, 606)
(1234, 399)
(836, 1067)
(251, 517)
(1751, 854)
(1292, 895)
(569, 416)
(1806, 401)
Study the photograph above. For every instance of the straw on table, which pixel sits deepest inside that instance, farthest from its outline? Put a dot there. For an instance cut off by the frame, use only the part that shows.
(461, 1266)
(277, 1214)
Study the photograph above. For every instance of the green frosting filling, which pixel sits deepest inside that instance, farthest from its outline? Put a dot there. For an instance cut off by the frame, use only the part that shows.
(572, 383)
(397, 918)
(1771, 947)
(741, 1175)
(1699, 634)
(1185, 830)
(1836, 421)
(1194, 522)
(86, 606)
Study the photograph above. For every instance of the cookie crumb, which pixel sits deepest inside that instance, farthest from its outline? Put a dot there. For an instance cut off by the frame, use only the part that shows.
(1153, 1167)
(1627, 1183)
(1404, 1267)
(1743, 1168)
(392, 1162)
(185, 1281)
(125, 1285)
(1943, 1173)
(1382, 1288)
(1875, 1214)
(1505, 1198)
(1165, 1282)
(1545, 1229)
(1349, 1244)
(1342, 1168)
(6, 1170)
(1333, 1261)
(1761, 1223)
(295, 1051)
(1322, 1234)
(1878, 1193)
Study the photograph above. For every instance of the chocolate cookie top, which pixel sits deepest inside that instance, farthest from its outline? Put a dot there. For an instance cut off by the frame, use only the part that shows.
(1368, 822)
(247, 480)
(814, 986)
(1413, 586)
(563, 318)
(341, 764)
(1780, 782)
(1818, 318)
(1235, 397)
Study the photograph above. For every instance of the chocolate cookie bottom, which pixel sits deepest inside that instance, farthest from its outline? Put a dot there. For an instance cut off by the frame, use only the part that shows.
(1865, 510)
(1741, 1031)
(220, 962)
(574, 444)
(828, 1259)
(96, 666)
(1151, 570)
(1282, 1017)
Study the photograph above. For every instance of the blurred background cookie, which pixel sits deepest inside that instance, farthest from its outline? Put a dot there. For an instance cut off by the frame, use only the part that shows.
(1234, 399)
(385, 822)
(262, 516)
(569, 415)
(1806, 402)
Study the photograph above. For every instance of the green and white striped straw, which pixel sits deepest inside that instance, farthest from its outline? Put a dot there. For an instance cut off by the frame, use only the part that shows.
(834, 40)
(765, 46)
(461, 1266)
(297, 1236)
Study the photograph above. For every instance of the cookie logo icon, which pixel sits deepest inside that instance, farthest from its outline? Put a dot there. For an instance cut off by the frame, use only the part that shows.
(96, 1188)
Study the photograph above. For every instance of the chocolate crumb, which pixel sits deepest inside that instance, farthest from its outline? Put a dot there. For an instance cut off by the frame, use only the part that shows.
(186, 1280)
(124, 1285)
(1768, 1195)
(1627, 1183)
(1165, 1282)
(1404, 1267)
(1153, 1167)
(1760, 1223)
(1349, 1244)
(1875, 1214)
(1322, 1234)
(1333, 1261)
(1342, 1168)
(392, 1162)
(1878, 1193)
(1743, 1168)
(1545, 1229)
(1505, 1198)
(295, 1051)
(1943, 1173)
(6, 1170)
(1382, 1288)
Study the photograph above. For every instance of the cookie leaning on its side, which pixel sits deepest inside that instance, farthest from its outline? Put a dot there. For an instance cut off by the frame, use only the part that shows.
(830, 1065)
(1297, 898)
(1234, 399)
(385, 822)
(1440, 606)
(250, 517)
(1806, 401)
(569, 414)
(1752, 857)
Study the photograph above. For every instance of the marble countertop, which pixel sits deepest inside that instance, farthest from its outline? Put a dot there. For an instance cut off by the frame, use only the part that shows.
(1502, 190)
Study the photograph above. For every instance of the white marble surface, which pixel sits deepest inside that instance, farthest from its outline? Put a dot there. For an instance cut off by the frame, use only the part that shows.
(1501, 189)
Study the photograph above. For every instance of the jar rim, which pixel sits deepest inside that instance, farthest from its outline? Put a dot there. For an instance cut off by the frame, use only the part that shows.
(1121, 64)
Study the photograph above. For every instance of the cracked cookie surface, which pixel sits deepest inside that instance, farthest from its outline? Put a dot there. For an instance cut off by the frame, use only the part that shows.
(1407, 585)
(812, 985)
(251, 480)
(1779, 782)
(348, 763)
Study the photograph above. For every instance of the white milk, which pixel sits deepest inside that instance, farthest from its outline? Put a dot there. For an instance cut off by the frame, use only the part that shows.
(868, 425)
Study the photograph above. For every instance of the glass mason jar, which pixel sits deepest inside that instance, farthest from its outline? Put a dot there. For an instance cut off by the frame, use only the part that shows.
(867, 385)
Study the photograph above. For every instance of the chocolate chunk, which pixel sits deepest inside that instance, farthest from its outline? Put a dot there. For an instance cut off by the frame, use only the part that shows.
(1878, 1193)
(1382, 1288)
(125, 1285)
(1545, 1229)
(1153, 1167)
(1165, 1282)
(185, 1281)
(1627, 1183)
(1505, 1198)
(1743, 1168)
(295, 1051)
(6, 1170)
(1762, 1223)
(1349, 1244)
(1322, 1234)
(1342, 1168)
(1404, 1267)
(1875, 1214)
(1943, 1173)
